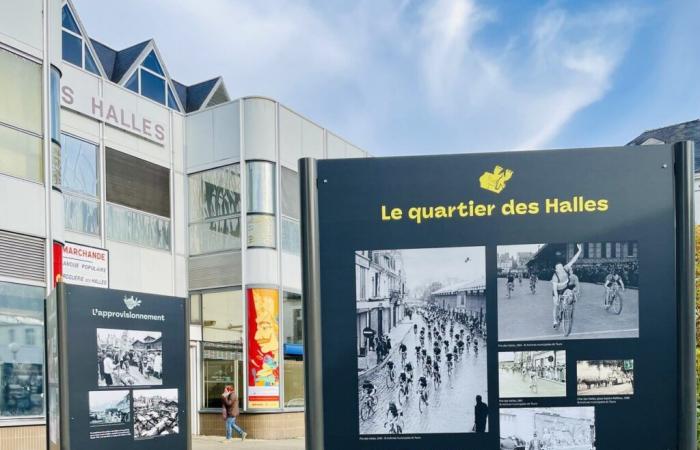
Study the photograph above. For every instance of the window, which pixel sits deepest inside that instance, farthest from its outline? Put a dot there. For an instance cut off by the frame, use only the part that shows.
(215, 210)
(222, 365)
(80, 184)
(261, 204)
(293, 350)
(21, 350)
(135, 227)
(222, 316)
(21, 154)
(196, 309)
(20, 98)
(149, 79)
(291, 236)
(137, 184)
(75, 48)
(291, 199)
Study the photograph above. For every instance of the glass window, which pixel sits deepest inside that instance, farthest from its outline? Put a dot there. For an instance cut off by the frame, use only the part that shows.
(261, 230)
(291, 236)
(130, 225)
(20, 97)
(151, 62)
(21, 154)
(72, 49)
(68, 21)
(172, 103)
(79, 166)
(81, 215)
(222, 316)
(196, 308)
(55, 104)
(137, 183)
(90, 63)
(293, 350)
(21, 350)
(261, 187)
(214, 207)
(153, 87)
(222, 365)
(133, 83)
(290, 198)
(55, 164)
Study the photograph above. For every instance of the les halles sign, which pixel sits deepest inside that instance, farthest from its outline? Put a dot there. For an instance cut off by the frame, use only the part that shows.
(105, 111)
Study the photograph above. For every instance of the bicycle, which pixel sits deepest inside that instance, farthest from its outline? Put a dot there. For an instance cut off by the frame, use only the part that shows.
(395, 425)
(403, 393)
(436, 379)
(449, 369)
(565, 313)
(368, 407)
(390, 378)
(422, 399)
(613, 300)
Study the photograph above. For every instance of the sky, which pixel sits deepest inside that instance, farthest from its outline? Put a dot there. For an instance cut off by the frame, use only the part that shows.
(448, 264)
(408, 77)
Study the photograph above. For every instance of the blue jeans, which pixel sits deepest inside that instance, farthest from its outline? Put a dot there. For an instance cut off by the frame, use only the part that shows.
(230, 426)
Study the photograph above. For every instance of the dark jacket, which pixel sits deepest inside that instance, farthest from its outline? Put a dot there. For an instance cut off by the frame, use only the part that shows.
(229, 405)
(481, 413)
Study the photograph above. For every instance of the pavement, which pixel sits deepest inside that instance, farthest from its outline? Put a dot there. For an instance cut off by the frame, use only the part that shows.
(217, 443)
(451, 403)
(528, 317)
(367, 365)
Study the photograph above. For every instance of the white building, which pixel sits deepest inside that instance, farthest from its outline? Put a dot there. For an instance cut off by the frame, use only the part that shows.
(181, 190)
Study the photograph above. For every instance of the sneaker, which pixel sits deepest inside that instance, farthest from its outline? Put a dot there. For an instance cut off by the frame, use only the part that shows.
(243, 436)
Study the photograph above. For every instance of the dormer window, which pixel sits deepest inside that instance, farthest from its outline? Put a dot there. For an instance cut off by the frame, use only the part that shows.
(75, 49)
(149, 80)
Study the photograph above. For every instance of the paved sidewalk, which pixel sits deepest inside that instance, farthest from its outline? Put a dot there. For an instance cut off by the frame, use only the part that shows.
(216, 443)
(367, 365)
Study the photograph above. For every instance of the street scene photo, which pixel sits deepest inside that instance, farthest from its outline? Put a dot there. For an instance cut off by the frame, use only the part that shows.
(532, 374)
(421, 341)
(109, 407)
(585, 290)
(570, 428)
(129, 358)
(155, 413)
(609, 377)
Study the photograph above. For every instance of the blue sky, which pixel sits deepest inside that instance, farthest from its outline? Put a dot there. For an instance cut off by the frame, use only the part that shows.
(426, 77)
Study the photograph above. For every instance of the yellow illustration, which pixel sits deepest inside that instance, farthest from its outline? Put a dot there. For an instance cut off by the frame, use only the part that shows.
(496, 181)
(266, 331)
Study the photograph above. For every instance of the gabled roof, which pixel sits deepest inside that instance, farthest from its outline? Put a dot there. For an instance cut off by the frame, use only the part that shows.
(686, 131)
(117, 64)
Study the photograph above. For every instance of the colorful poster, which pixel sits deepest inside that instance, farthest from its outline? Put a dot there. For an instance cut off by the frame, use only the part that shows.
(263, 349)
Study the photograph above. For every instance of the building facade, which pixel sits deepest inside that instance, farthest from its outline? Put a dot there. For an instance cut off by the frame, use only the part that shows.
(166, 189)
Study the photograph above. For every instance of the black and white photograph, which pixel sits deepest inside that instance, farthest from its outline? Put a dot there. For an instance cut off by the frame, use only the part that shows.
(129, 358)
(109, 407)
(539, 373)
(155, 413)
(571, 428)
(587, 290)
(421, 341)
(607, 377)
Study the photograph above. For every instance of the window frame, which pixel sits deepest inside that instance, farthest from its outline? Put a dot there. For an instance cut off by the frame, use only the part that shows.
(283, 378)
(83, 46)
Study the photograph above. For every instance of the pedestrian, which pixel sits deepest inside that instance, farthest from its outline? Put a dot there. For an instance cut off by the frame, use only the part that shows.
(230, 411)
(108, 368)
(101, 364)
(481, 414)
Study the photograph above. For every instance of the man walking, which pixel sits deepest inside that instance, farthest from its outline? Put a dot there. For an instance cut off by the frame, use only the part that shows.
(481, 414)
(230, 412)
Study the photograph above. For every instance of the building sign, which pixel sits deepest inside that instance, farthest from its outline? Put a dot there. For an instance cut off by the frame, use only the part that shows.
(263, 349)
(86, 266)
(104, 110)
(117, 370)
(517, 300)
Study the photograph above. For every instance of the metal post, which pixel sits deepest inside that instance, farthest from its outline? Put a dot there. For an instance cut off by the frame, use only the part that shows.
(313, 362)
(683, 153)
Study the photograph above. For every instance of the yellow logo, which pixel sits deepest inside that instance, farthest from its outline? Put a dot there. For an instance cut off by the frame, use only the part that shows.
(496, 181)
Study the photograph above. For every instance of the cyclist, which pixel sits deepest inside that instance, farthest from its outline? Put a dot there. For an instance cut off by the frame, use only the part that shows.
(423, 389)
(415, 329)
(563, 280)
(436, 372)
(455, 352)
(446, 343)
(476, 346)
(392, 416)
(429, 365)
(612, 279)
(403, 349)
(436, 352)
(533, 379)
(449, 362)
(423, 354)
(418, 347)
(460, 346)
(369, 389)
(390, 370)
(510, 282)
(409, 372)
(430, 336)
(533, 280)
(403, 383)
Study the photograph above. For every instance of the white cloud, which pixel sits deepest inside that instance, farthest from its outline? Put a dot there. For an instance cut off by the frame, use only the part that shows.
(403, 76)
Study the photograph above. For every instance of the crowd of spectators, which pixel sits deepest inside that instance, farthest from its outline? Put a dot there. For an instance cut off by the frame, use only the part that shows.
(596, 272)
